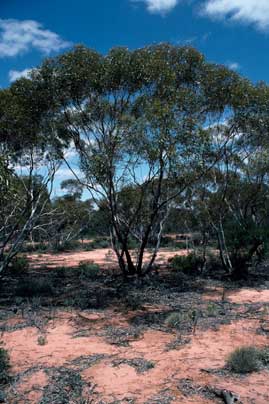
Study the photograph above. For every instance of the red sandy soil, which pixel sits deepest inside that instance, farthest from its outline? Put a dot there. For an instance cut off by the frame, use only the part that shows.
(239, 296)
(103, 256)
(207, 350)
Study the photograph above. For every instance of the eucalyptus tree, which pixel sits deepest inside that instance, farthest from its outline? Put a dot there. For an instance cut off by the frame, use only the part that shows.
(139, 121)
(28, 164)
(231, 201)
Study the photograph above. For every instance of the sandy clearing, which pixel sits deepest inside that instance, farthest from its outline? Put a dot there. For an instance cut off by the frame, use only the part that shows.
(104, 257)
(207, 350)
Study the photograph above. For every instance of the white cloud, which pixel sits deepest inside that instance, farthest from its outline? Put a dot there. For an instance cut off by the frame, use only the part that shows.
(233, 65)
(247, 11)
(160, 6)
(14, 75)
(65, 173)
(71, 153)
(17, 37)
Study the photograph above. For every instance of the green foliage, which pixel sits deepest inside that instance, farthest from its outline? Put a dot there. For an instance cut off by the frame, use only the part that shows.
(189, 264)
(4, 366)
(159, 99)
(67, 246)
(88, 270)
(212, 309)
(164, 105)
(179, 279)
(100, 243)
(264, 356)
(133, 301)
(174, 320)
(41, 340)
(244, 360)
(37, 247)
(34, 287)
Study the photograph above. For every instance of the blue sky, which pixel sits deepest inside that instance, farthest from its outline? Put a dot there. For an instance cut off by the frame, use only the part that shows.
(232, 32)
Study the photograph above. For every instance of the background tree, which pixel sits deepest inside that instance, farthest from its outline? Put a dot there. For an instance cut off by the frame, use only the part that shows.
(71, 218)
(28, 156)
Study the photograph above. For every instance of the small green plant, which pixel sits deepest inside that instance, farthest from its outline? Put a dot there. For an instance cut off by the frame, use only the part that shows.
(4, 366)
(88, 270)
(174, 320)
(34, 287)
(212, 309)
(244, 360)
(41, 340)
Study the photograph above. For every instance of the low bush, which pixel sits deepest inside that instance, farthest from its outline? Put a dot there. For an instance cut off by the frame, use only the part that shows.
(244, 360)
(61, 272)
(264, 356)
(188, 264)
(35, 248)
(87, 247)
(174, 320)
(179, 279)
(88, 270)
(4, 366)
(34, 287)
(67, 246)
(133, 244)
(103, 243)
(41, 340)
(212, 309)
(133, 302)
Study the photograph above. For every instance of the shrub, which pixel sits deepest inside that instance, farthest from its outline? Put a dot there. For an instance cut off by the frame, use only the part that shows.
(133, 244)
(174, 320)
(212, 309)
(264, 356)
(19, 266)
(4, 366)
(88, 270)
(61, 272)
(41, 340)
(97, 243)
(190, 263)
(103, 243)
(87, 247)
(244, 360)
(34, 287)
(67, 246)
(133, 302)
(179, 279)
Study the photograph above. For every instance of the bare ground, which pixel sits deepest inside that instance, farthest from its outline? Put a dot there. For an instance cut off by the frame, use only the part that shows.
(113, 352)
(103, 256)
